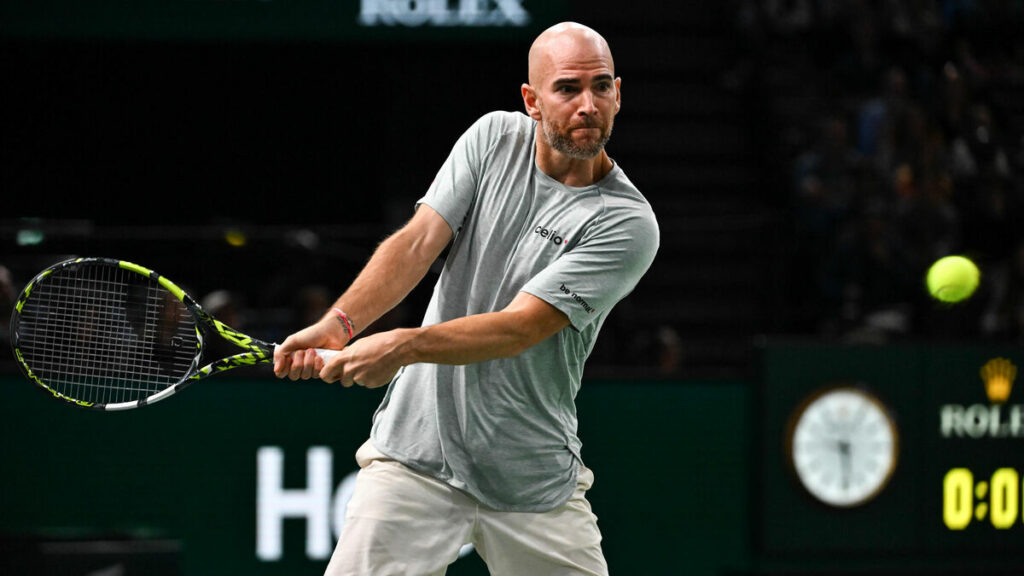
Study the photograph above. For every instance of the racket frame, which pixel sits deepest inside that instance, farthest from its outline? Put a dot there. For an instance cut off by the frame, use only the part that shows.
(254, 351)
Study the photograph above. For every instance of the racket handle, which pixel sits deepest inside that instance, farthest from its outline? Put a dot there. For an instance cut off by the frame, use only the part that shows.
(325, 353)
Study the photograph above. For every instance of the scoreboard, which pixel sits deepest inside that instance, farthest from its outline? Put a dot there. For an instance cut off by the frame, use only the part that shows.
(889, 459)
(979, 452)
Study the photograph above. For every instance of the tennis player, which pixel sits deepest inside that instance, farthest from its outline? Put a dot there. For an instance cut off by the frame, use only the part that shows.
(475, 439)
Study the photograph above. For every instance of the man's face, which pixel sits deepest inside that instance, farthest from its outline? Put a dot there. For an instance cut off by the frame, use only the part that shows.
(578, 98)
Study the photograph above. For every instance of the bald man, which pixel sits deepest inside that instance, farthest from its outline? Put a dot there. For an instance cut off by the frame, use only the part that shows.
(475, 440)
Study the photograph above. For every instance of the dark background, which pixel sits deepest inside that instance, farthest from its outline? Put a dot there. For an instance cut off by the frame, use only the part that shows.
(149, 149)
(798, 191)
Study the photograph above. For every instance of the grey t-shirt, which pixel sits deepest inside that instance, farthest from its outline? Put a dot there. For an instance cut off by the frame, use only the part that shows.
(505, 430)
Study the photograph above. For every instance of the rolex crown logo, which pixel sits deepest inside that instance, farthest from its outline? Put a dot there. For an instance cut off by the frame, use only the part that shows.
(998, 375)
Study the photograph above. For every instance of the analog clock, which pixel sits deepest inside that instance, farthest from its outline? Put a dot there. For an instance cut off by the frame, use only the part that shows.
(843, 446)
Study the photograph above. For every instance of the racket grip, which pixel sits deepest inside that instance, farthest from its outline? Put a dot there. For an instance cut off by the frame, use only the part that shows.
(325, 353)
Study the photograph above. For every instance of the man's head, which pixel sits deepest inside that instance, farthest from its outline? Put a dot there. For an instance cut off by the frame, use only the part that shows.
(572, 92)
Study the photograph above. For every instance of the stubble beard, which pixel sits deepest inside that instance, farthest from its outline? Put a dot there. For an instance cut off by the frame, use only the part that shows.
(562, 141)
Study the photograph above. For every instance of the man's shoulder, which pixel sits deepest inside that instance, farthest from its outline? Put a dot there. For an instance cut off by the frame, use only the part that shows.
(508, 120)
(619, 188)
(623, 200)
(496, 125)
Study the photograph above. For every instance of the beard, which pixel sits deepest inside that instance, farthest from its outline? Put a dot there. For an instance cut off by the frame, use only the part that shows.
(560, 138)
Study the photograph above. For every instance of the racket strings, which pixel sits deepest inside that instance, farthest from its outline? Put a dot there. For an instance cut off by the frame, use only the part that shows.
(102, 334)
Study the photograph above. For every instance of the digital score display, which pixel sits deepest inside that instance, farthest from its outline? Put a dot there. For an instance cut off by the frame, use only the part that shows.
(965, 500)
(955, 499)
(976, 445)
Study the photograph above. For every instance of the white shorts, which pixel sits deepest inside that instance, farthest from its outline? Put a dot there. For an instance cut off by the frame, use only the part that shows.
(402, 523)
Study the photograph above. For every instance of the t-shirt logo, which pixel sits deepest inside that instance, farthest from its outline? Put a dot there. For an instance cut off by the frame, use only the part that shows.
(551, 235)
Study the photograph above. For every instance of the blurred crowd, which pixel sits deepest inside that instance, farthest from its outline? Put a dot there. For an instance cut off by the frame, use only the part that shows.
(900, 124)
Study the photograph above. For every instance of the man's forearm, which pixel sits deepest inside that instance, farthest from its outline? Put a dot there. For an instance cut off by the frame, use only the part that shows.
(374, 360)
(386, 280)
(480, 337)
(396, 267)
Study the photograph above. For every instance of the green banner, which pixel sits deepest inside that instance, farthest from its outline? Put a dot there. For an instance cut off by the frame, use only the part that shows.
(250, 475)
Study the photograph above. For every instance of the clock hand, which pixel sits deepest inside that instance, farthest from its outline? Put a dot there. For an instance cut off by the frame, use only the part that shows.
(844, 455)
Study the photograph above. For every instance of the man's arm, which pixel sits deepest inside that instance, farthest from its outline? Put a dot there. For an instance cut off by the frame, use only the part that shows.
(374, 360)
(397, 266)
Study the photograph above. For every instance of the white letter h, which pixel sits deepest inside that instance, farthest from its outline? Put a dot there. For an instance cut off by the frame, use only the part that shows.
(275, 503)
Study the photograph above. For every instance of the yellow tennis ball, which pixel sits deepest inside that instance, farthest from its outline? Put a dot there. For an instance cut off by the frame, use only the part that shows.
(953, 278)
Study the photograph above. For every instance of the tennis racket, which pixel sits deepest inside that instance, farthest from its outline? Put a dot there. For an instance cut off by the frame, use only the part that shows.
(111, 335)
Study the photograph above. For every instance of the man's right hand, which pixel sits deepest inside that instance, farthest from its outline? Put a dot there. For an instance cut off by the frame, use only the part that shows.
(296, 357)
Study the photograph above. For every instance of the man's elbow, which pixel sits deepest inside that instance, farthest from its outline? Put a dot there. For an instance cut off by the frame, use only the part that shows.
(523, 339)
(516, 346)
(528, 321)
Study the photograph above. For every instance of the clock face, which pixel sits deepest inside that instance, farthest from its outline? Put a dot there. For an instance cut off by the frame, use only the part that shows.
(843, 446)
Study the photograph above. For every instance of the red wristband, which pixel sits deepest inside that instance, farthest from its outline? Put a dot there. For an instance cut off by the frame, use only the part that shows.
(344, 320)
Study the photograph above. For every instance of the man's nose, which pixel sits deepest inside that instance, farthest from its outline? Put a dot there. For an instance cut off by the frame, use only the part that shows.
(586, 107)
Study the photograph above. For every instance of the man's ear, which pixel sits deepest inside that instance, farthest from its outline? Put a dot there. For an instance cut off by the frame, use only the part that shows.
(530, 102)
(618, 94)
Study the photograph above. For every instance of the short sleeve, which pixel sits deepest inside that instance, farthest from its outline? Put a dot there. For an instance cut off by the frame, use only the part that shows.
(602, 269)
(454, 187)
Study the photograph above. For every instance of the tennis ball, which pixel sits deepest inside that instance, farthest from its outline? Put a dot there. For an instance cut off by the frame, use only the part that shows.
(952, 279)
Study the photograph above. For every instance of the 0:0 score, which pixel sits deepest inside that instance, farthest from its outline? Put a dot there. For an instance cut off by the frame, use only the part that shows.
(965, 500)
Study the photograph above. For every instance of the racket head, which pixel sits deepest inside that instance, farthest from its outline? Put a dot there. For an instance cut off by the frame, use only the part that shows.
(105, 334)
